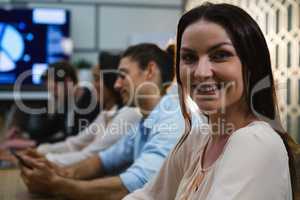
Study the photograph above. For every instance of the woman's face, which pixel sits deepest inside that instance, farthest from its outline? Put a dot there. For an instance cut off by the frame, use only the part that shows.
(210, 68)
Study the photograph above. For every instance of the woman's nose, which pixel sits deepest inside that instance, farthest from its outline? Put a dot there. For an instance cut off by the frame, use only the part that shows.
(203, 69)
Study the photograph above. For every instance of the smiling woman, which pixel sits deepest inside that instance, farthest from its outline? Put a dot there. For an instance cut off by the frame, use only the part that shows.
(208, 57)
(223, 63)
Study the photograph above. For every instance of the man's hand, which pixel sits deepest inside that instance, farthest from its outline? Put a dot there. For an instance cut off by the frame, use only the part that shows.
(33, 154)
(41, 178)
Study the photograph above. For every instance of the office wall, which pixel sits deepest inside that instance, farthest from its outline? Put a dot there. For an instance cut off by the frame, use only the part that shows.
(98, 25)
(280, 23)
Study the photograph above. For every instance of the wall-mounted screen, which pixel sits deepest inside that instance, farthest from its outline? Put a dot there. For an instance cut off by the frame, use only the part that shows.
(29, 40)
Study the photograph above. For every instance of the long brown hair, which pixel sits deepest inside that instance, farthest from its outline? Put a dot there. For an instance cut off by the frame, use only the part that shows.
(251, 47)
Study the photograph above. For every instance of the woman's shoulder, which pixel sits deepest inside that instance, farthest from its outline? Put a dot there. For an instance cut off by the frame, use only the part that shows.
(259, 132)
(255, 162)
(258, 139)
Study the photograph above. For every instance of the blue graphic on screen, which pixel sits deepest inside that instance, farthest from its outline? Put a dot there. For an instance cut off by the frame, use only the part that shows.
(11, 47)
(30, 39)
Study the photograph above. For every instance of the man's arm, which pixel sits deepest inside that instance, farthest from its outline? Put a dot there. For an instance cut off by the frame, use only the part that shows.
(43, 179)
(86, 169)
(110, 188)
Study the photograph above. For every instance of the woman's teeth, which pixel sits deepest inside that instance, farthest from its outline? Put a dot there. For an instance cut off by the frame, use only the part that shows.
(207, 88)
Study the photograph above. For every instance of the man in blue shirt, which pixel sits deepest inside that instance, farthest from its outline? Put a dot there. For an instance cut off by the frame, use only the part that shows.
(146, 146)
(139, 154)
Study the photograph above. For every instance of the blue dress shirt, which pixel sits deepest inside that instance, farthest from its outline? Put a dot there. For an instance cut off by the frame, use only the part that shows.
(140, 153)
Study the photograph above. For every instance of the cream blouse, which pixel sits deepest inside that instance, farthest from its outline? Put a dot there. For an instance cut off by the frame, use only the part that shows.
(253, 166)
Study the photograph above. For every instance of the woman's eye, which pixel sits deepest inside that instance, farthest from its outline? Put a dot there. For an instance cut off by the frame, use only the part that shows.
(188, 59)
(219, 56)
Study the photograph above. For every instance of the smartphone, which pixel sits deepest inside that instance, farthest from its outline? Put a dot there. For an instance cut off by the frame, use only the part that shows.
(19, 158)
(4, 164)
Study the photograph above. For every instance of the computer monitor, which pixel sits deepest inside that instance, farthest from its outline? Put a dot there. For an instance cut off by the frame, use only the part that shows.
(30, 39)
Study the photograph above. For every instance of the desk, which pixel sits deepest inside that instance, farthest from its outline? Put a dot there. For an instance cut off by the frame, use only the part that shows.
(12, 187)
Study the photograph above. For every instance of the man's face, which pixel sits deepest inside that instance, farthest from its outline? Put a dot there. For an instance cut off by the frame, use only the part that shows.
(131, 76)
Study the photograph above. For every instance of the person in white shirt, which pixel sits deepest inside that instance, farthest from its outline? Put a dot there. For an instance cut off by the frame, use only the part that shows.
(110, 125)
(223, 64)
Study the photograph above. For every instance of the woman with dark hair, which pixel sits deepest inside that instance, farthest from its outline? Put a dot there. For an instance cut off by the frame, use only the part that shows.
(223, 64)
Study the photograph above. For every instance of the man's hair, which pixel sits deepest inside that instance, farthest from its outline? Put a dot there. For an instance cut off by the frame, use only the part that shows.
(146, 52)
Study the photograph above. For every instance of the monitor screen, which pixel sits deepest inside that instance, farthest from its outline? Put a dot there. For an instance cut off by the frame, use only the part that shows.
(29, 40)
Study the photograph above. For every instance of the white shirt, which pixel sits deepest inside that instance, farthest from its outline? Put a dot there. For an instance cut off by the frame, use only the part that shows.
(107, 129)
(253, 166)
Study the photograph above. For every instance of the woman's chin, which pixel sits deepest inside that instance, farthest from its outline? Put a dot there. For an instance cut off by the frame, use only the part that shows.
(208, 108)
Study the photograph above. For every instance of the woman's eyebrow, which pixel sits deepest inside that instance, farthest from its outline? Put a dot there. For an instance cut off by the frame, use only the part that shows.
(216, 46)
(187, 50)
(212, 48)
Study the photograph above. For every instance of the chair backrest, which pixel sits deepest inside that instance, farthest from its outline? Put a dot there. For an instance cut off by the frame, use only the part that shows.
(297, 163)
